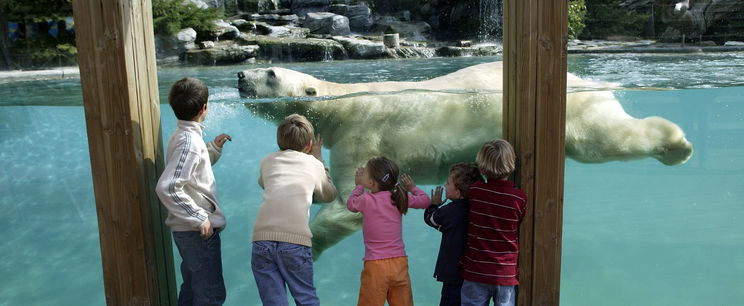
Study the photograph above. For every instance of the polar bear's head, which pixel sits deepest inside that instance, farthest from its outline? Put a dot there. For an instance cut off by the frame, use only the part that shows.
(276, 82)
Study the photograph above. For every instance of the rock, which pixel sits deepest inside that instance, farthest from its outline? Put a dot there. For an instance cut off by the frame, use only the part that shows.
(303, 7)
(221, 53)
(207, 44)
(224, 31)
(411, 52)
(327, 23)
(295, 50)
(485, 50)
(174, 45)
(275, 19)
(198, 3)
(283, 31)
(464, 43)
(362, 48)
(243, 25)
(360, 15)
(418, 30)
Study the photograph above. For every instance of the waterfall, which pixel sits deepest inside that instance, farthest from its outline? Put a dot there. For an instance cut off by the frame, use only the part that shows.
(491, 20)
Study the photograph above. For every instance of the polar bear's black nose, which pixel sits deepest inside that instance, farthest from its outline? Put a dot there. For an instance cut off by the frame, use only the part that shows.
(241, 75)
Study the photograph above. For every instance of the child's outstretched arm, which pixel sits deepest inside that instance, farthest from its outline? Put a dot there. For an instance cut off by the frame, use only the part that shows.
(417, 197)
(432, 212)
(356, 199)
(215, 147)
(324, 191)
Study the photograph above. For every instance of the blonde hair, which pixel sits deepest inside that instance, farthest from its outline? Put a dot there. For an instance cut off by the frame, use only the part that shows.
(496, 159)
(294, 133)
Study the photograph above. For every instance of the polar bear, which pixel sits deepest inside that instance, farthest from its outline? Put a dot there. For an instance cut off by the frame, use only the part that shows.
(429, 125)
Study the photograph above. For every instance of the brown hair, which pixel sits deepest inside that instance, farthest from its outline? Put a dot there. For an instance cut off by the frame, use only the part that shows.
(187, 97)
(496, 159)
(464, 174)
(386, 173)
(294, 133)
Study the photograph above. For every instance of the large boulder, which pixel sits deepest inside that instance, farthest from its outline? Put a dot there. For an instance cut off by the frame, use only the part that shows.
(223, 53)
(303, 7)
(295, 50)
(280, 31)
(173, 45)
(362, 48)
(360, 15)
(417, 30)
(275, 19)
(327, 23)
(223, 31)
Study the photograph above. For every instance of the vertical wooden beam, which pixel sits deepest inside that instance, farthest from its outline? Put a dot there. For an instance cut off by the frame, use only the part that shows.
(535, 37)
(116, 54)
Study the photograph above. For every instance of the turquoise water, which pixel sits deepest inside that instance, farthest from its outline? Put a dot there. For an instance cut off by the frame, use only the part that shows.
(635, 233)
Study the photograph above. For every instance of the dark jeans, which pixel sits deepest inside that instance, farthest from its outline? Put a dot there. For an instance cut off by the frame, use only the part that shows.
(450, 293)
(278, 265)
(201, 269)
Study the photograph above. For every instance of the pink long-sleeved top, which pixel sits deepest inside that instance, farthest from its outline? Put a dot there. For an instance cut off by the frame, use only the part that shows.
(382, 224)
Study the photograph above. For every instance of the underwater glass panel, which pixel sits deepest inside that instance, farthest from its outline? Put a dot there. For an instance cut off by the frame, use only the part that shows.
(643, 233)
(635, 232)
(51, 253)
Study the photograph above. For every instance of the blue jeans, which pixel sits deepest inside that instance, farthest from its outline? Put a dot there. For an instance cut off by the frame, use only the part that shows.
(201, 269)
(279, 264)
(480, 294)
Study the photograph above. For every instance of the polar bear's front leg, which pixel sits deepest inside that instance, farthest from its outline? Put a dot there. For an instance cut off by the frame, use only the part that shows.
(332, 224)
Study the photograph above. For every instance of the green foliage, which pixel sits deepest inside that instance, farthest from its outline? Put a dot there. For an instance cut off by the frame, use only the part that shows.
(37, 10)
(576, 16)
(170, 16)
(605, 18)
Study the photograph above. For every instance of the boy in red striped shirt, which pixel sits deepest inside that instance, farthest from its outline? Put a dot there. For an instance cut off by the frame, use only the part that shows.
(497, 207)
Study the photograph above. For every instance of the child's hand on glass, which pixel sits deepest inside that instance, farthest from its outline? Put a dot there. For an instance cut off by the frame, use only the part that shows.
(407, 182)
(436, 196)
(317, 144)
(358, 176)
(220, 140)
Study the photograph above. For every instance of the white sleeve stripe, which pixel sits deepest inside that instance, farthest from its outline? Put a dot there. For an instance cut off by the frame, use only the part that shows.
(431, 219)
(172, 186)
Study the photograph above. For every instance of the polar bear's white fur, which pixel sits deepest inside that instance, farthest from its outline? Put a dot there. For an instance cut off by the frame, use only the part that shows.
(425, 132)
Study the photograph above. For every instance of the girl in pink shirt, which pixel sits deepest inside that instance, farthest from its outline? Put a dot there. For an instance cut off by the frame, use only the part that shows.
(385, 273)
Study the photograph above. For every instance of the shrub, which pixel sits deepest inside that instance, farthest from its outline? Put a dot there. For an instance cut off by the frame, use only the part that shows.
(170, 16)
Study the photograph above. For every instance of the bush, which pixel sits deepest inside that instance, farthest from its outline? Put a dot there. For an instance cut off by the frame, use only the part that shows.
(576, 16)
(170, 16)
(605, 18)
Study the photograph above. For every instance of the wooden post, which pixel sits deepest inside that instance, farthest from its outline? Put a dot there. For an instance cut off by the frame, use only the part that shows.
(116, 54)
(535, 37)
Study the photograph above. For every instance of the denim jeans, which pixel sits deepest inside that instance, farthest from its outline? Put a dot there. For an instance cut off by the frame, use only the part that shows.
(278, 264)
(201, 269)
(480, 294)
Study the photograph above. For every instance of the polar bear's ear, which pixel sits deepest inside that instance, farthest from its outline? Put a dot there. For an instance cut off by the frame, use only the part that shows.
(310, 91)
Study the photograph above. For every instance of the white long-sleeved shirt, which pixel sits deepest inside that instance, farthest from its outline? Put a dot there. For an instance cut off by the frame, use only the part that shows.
(290, 180)
(187, 187)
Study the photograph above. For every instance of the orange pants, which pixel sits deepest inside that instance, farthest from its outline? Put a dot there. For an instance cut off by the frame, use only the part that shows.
(385, 279)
